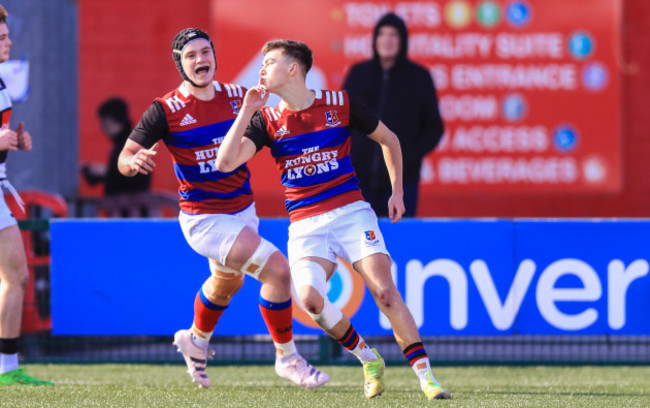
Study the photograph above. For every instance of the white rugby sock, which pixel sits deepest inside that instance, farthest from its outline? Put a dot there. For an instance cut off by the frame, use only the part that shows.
(421, 368)
(8, 362)
(200, 338)
(285, 350)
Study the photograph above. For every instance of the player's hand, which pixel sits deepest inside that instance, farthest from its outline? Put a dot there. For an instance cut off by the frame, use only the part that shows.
(256, 97)
(396, 208)
(8, 140)
(142, 162)
(24, 138)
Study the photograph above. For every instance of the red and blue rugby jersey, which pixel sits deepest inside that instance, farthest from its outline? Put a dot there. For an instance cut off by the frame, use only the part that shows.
(311, 149)
(193, 130)
(5, 114)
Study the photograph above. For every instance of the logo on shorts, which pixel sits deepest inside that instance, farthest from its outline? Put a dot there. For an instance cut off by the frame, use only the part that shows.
(332, 118)
(371, 238)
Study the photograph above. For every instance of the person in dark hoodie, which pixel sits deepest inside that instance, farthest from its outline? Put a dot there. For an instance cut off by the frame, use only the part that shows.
(115, 123)
(403, 95)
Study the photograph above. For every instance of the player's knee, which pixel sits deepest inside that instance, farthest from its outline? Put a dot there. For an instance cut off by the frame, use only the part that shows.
(258, 261)
(21, 280)
(234, 285)
(276, 271)
(311, 300)
(218, 290)
(18, 275)
(24, 280)
(387, 297)
(310, 281)
(328, 316)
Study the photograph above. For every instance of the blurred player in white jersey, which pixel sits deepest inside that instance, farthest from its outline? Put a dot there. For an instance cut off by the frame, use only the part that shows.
(308, 134)
(13, 263)
(217, 215)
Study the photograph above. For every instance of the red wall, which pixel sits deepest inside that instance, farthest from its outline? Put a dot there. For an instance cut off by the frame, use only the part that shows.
(125, 50)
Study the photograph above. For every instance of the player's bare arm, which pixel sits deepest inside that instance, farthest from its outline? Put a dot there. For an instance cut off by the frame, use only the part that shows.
(393, 157)
(136, 158)
(235, 149)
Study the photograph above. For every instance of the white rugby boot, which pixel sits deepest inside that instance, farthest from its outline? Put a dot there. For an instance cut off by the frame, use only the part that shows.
(297, 370)
(195, 357)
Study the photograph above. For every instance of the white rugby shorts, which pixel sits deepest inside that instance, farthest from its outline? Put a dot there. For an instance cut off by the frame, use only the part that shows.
(6, 218)
(350, 232)
(212, 235)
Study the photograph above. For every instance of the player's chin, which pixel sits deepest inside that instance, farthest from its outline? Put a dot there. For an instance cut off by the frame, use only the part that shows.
(202, 80)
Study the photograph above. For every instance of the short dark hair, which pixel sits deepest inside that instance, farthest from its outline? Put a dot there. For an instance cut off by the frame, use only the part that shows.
(3, 15)
(296, 50)
(115, 108)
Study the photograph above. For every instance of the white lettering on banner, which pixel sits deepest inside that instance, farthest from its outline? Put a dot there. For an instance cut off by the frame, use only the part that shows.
(503, 314)
(468, 108)
(415, 13)
(448, 46)
(507, 76)
(364, 14)
(499, 139)
(619, 279)
(534, 45)
(547, 294)
(419, 13)
(357, 46)
(417, 275)
(440, 76)
(491, 170)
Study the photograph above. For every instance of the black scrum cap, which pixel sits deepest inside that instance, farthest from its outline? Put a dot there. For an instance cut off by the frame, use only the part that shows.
(180, 41)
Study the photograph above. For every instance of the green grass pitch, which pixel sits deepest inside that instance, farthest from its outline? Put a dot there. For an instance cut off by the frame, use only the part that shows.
(122, 385)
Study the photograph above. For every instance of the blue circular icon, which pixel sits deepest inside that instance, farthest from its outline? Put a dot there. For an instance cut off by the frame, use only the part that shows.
(581, 45)
(565, 138)
(335, 286)
(595, 76)
(513, 107)
(518, 13)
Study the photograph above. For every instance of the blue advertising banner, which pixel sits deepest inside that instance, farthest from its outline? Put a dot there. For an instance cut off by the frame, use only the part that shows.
(458, 277)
